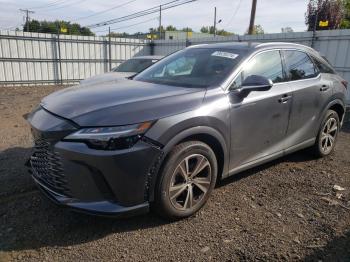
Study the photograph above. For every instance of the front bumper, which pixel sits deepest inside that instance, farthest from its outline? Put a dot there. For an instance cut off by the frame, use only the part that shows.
(93, 181)
(100, 208)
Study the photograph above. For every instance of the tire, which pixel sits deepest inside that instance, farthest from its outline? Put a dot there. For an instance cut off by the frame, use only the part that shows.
(177, 181)
(332, 119)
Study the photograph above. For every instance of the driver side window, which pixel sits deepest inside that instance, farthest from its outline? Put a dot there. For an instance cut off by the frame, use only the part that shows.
(267, 64)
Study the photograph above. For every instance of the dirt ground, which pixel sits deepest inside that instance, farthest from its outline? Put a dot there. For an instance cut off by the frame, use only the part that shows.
(284, 210)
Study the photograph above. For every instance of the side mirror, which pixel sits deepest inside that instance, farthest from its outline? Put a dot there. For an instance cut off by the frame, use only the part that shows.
(256, 83)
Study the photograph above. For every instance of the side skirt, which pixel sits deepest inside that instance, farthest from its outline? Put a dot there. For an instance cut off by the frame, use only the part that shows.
(271, 157)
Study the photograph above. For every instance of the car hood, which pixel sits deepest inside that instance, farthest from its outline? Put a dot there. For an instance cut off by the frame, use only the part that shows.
(122, 103)
(111, 76)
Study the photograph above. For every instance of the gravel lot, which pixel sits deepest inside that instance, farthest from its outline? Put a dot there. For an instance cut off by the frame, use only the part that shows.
(285, 210)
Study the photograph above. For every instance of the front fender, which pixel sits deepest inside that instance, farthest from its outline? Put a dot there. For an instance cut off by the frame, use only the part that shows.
(176, 139)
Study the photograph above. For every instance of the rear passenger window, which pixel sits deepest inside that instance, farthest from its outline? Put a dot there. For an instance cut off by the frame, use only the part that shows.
(267, 64)
(299, 65)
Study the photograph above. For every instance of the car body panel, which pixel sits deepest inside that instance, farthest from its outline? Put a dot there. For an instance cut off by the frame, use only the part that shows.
(115, 104)
(307, 107)
(264, 117)
(107, 77)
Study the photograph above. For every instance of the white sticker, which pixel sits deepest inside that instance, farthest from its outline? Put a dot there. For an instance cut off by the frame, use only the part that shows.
(224, 54)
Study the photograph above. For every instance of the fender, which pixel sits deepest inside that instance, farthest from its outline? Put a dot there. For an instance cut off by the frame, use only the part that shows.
(198, 130)
(336, 101)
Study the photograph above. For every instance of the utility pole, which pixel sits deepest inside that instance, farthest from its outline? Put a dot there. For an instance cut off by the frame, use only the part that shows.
(27, 12)
(252, 18)
(160, 22)
(214, 21)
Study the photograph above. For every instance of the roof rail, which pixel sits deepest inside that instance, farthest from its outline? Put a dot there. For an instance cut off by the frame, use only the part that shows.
(283, 43)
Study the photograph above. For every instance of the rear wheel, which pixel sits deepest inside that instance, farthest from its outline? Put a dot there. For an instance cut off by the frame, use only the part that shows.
(327, 135)
(186, 180)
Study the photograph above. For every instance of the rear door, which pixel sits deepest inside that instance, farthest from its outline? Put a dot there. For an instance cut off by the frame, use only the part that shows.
(311, 90)
(259, 119)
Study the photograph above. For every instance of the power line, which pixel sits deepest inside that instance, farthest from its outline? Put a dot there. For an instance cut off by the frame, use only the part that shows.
(53, 3)
(64, 6)
(123, 27)
(152, 9)
(145, 12)
(104, 11)
(234, 13)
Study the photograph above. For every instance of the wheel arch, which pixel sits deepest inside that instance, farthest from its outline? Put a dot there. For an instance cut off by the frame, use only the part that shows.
(340, 109)
(205, 134)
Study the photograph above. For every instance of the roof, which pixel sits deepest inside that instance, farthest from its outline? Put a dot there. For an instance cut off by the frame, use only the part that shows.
(154, 57)
(228, 45)
(252, 46)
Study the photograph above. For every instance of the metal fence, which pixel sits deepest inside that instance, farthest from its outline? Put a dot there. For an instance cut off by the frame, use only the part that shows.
(334, 45)
(33, 58)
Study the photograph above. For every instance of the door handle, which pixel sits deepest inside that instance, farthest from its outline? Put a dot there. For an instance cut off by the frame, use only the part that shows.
(324, 88)
(284, 98)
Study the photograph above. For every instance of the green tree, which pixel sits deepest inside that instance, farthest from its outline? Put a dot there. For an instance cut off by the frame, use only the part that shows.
(287, 29)
(153, 30)
(204, 30)
(210, 30)
(324, 10)
(257, 30)
(345, 23)
(170, 28)
(187, 29)
(223, 32)
(53, 27)
(34, 26)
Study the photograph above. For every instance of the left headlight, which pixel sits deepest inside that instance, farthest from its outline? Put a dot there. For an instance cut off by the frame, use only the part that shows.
(110, 138)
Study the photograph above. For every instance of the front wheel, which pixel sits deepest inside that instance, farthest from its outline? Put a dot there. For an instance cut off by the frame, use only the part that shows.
(327, 135)
(186, 180)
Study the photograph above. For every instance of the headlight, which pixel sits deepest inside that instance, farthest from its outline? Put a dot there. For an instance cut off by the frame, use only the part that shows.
(110, 138)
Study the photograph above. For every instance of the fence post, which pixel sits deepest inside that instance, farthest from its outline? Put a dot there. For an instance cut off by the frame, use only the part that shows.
(59, 56)
(151, 46)
(109, 49)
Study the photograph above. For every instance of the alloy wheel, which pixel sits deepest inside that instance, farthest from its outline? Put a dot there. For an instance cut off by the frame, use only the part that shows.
(328, 135)
(190, 182)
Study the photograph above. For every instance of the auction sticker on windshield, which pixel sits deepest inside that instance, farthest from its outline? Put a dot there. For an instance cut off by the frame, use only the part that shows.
(224, 54)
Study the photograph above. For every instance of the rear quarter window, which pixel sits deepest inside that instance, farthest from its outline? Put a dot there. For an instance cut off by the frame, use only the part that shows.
(322, 66)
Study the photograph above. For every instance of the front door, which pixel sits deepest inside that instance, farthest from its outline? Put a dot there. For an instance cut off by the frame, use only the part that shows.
(259, 119)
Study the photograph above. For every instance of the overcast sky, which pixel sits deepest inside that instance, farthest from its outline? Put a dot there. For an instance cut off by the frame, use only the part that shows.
(271, 14)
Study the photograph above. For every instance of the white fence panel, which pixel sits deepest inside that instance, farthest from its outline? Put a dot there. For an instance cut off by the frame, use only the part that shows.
(34, 58)
(333, 44)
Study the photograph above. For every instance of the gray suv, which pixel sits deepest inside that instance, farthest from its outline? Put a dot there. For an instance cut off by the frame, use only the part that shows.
(164, 138)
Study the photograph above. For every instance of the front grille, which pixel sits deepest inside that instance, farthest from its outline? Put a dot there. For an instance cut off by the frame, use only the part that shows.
(47, 167)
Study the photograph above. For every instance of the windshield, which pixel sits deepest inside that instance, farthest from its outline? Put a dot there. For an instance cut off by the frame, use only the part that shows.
(134, 65)
(193, 67)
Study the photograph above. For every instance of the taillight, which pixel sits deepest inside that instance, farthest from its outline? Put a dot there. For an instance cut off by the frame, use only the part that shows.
(345, 84)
